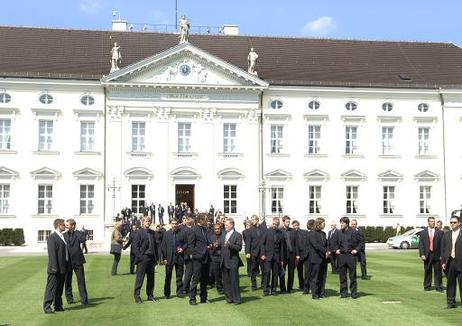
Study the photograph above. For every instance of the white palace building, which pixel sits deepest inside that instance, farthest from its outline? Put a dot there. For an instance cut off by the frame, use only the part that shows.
(330, 128)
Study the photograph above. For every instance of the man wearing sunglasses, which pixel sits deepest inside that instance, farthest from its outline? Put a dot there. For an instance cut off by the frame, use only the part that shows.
(452, 260)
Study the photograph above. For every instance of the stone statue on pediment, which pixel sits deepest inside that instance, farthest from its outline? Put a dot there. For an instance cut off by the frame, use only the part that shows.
(252, 59)
(184, 29)
(116, 57)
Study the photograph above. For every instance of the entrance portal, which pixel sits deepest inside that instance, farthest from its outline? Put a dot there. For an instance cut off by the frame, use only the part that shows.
(185, 193)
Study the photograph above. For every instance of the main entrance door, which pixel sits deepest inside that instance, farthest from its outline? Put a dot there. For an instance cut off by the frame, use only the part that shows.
(184, 193)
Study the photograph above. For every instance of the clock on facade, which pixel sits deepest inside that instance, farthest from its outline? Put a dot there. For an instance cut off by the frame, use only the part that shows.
(185, 69)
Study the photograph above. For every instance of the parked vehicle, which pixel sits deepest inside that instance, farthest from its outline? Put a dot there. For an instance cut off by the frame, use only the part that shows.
(407, 240)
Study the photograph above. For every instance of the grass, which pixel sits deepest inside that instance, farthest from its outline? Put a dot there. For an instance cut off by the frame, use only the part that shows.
(394, 296)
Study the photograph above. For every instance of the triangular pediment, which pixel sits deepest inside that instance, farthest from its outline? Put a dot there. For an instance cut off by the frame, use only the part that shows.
(316, 175)
(87, 173)
(278, 174)
(6, 173)
(426, 176)
(45, 173)
(353, 175)
(390, 175)
(184, 65)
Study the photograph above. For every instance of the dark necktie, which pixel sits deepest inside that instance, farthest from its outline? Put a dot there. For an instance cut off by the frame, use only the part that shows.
(174, 240)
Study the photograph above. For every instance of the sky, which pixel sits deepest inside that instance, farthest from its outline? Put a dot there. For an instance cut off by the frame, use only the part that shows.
(404, 20)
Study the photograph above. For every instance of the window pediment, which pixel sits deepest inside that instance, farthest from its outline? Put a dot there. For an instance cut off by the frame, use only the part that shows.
(390, 175)
(426, 176)
(6, 173)
(87, 174)
(185, 173)
(278, 174)
(316, 175)
(138, 173)
(353, 175)
(45, 174)
(231, 174)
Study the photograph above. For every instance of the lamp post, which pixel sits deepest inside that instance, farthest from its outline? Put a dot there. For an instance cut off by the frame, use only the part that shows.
(114, 188)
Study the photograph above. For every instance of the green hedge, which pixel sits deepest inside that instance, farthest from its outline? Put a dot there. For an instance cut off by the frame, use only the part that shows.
(381, 234)
(11, 237)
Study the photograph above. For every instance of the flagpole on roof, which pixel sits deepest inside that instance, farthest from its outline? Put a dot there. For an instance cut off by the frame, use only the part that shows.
(176, 14)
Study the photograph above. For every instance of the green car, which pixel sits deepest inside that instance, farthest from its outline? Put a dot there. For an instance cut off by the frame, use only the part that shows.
(407, 240)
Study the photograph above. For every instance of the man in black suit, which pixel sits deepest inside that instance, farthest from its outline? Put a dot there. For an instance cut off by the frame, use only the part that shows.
(301, 252)
(452, 260)
(57, 268)
(318, 259)
(231, 245)
(271, 254)
(74, 239)
(160, 213)
(430, 243)
(152, 212)
(362, 252)
(199, 244)
(288, 256)
(84, 245)
(330, 240)
(173, 246)
(188, 266)
(216, 270)
(253, 248)
(146, 257)
(171, 212)
(131, 239)
(346, 247)
(245, 238)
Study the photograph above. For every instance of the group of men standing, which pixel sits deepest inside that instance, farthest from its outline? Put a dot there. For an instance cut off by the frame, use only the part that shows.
(442, 252)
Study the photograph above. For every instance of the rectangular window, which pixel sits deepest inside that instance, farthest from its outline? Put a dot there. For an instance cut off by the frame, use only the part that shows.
(229, 137)
(314, 199)
(5, 134)
(45, 199)
(351, 134)
(138, 198)
(230, 199)
(87, 196)
(425, 197)
(314, 136)
(424, 139)
(276, 139)
(4, 198)
(388, 199)
(277, 198)
(45, 135)
(87, 136)
(138, 133)
(352, 199)
(43, 235)
(89, 235)
(387, 140)
(184, 137)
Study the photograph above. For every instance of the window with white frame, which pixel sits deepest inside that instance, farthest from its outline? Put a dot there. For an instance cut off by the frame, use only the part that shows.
(138, 133)
(388, 199)
(87, 197)
(184, 137)
(387, 140)
(229, 137)
(277, 198)
(5, 98)
(277, 104)
(5, 133)
(351, 199)
(87, 136)
(45, 199)
(89, 235)
(87, 100)
(314, 200)
(45, 135)
(424, 140)
(276, 139)
(230, 199)
(387, 107)
(351, 140)
(46, 99)
(138, 198)
(43, 235)
(425, 196)
(314, 137)
(4, 198)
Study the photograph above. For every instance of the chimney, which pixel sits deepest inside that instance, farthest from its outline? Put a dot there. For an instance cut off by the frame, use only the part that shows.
(230, 29)
(119, 25)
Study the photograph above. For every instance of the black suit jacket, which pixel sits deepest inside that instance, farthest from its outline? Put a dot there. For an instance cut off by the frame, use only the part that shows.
(424, 243)
(230, 251)
(331, 238)
(131, 238)
(301, 244)
(141, 244)
(215, 250)
(317, 246)
(198, 243)
(168, 248)
(74, 247)
(253, 240)
(57, 263)
(447, 247)
(288, 246)
(346, 241)
(271, 244)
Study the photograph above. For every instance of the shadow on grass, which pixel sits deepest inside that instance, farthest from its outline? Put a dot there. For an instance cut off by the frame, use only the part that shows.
(93, 302)
(250, 299)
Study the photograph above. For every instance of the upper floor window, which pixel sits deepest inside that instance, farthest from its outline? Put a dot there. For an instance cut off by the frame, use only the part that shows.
(46, 99)
(352, 199)
(387, 107)
(277, 198)
(45, 135)
(425, 196)
(277, 104)
(184, 137)
(422, 107)
(45, 199)
(388, 199)
(314, 105)
(387, 140)
(351, 139)
(351, 106)
(229, 137)
(138, 133)
(5, 134)
(4, 198)
(5, 98)
(87, 100)
(424, 140)
(314, 199)
(314, 136)
(87, 136)
(276, 139)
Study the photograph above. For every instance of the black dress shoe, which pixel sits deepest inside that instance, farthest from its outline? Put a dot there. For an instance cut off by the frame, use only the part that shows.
(427, 289)
(266, 294)
(343, 296)
(192, 302)
(315, 297)
(205, 301)
(440, 290)
(273, 293)
(138, 300)
(59, 309)
(151, 298)
(70, 301)
(228, 301)
(48, 311)
(451, 306)
(354, 296)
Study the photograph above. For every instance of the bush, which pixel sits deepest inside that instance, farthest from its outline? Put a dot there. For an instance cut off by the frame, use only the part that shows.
(381, 234)
(10, 237)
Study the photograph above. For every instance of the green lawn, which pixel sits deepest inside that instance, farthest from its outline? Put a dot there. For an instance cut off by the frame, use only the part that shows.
(394, 296)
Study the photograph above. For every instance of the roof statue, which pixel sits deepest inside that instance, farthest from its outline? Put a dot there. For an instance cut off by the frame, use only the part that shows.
(184, 29)
(116, 57)
(252, 59)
